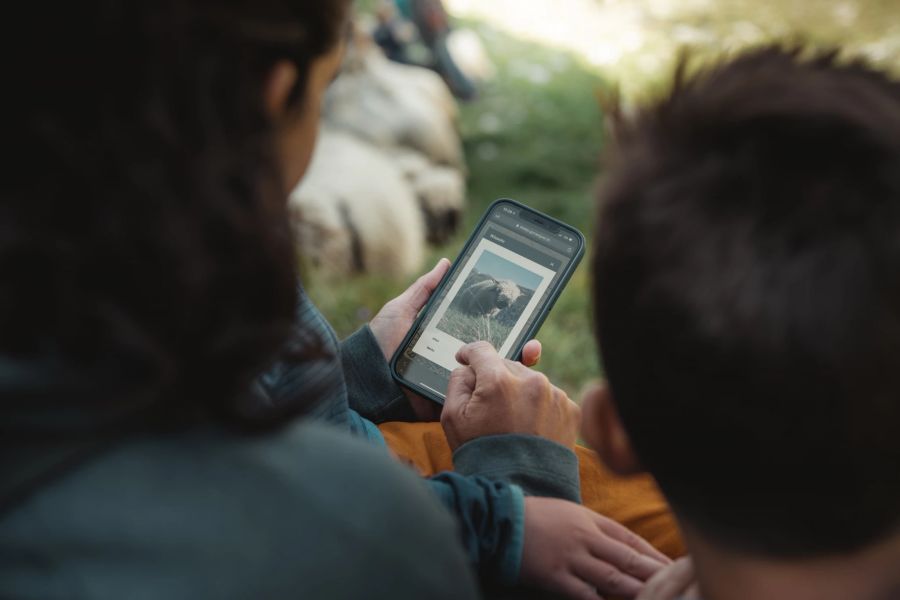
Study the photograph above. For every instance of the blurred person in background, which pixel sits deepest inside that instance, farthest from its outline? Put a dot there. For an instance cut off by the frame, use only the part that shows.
(156, 351)
(432, 23)
(390, 33)
(747, 305)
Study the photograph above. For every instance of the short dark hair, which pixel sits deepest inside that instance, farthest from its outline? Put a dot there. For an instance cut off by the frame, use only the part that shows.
(145, 248)
(747, 299)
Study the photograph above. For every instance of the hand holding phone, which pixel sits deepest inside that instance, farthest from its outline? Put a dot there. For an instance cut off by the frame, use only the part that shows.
(500, 289)
(396, 318)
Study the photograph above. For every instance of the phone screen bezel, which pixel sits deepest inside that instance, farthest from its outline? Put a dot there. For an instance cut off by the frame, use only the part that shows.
(541, 311)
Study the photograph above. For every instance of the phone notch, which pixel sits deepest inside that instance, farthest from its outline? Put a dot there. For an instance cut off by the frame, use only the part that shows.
(543, 223)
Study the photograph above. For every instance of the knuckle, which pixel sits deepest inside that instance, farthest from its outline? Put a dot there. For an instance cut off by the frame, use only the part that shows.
(492, 379)
(612, 579)
(632, 561)
(514, 366)
(632, 540)
(587, 592)
(536, 380)
(480, 345)
(507, 388)
(500, 385)
(583, 537)
(574, 410)
(605, 576)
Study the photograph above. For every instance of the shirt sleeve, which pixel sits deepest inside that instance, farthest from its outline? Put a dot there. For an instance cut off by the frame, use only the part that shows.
(371, 389)
(537, 465)
(491, 520)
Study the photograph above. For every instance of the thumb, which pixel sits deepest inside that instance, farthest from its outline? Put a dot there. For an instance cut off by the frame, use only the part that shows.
(531, 353)
(416, 295)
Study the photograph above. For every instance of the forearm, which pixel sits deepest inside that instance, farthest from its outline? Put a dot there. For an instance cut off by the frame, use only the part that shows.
(491, 519)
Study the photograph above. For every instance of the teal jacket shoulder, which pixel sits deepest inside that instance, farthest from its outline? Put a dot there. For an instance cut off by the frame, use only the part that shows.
(210, 514)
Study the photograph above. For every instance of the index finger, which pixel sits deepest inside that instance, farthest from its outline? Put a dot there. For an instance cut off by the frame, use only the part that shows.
(479, 355)
(482, 358)
(669, 583)
(629, 538)
(624, 558)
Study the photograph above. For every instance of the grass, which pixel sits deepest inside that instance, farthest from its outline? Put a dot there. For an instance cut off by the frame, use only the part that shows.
(470, 327)
(533, 135)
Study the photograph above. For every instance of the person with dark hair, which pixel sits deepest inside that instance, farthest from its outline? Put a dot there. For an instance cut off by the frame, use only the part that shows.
(747, 305)
(148, 277)
(156, 351)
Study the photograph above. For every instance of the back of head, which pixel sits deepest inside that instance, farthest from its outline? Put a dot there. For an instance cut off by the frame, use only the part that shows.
(747, 300)
(144, 241)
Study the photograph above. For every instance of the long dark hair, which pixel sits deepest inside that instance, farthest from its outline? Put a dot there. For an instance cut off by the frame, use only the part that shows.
(144, 241)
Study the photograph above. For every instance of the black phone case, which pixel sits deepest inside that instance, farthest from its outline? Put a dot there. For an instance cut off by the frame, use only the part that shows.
(554, 295)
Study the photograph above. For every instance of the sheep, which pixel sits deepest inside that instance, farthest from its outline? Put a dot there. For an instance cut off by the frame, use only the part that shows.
(441, 192)
(388, 171)
(355, 211)
(489, 297)
(392, 105)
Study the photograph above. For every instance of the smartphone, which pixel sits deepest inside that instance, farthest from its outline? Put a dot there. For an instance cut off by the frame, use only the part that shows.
(500, 289)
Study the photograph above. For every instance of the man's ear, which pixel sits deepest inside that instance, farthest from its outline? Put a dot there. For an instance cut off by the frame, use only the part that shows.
(279, 84)
(602, 429)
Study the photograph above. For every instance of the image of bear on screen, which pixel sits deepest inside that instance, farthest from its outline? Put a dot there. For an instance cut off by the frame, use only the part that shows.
(490, 302)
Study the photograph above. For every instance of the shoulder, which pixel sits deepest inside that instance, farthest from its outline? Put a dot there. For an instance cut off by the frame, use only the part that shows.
(216, 515)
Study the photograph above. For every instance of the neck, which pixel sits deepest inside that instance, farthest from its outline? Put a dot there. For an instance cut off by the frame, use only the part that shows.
(868, 574)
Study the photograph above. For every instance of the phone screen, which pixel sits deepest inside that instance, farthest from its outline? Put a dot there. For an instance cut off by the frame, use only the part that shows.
(497, 291)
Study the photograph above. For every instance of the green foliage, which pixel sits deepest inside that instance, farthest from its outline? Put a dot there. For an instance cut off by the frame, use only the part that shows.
(535, 133)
